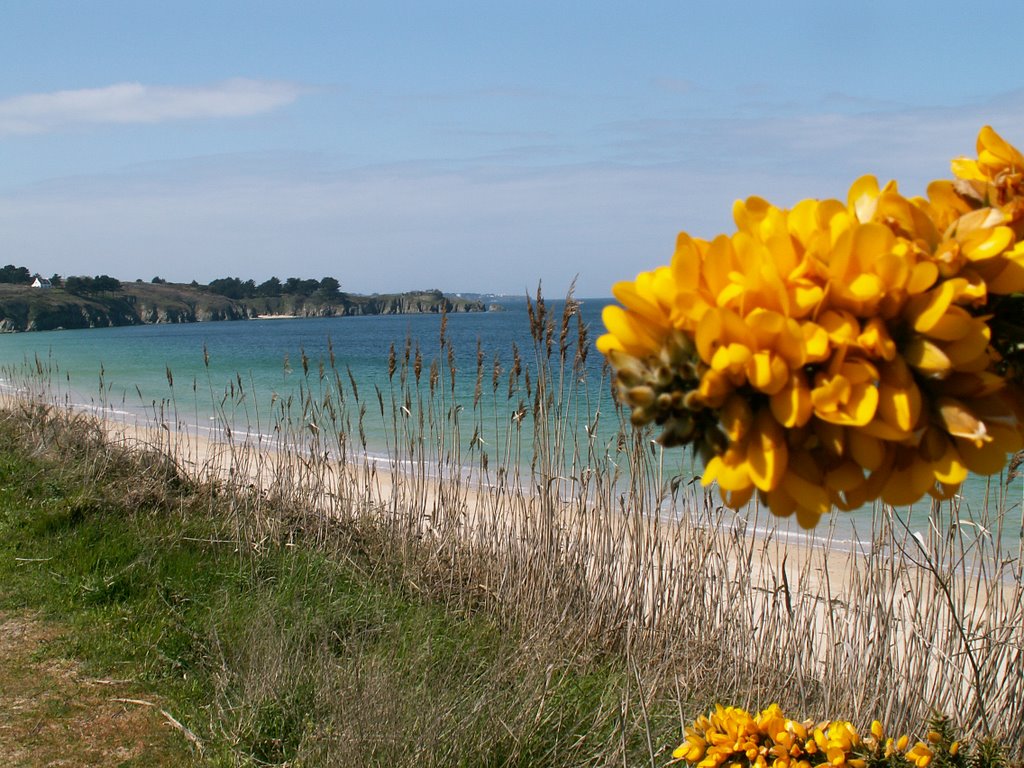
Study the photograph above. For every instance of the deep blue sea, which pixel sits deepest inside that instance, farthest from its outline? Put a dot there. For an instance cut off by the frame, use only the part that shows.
(206, 373)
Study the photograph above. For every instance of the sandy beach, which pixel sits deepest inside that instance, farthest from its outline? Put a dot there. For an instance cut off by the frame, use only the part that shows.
(663, 574)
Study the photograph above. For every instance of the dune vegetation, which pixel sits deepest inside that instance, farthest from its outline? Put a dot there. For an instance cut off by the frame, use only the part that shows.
(525, 596)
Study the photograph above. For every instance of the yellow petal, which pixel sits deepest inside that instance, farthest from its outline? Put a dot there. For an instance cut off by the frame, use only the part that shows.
(719, 327)
(863, 197)
(944, 491)
(736, 499)
(845, 477)
(805, 298)
(808, 519)
(842, 327)
(736, 418)
(750, 212)
(731, 357)
(967, 169)
(866, 287)
(641, 302)
(767, 372)
(607, 342)
(714, 387)
(867, 451)
(811, 500)
(988, 459)
(871, 242)
(899, 405)
(876, 341)
(830, 393)
(922, 277)
(686, 262)
(926, 310)
(970, 353)
(791, 405)
(858, 410)
(907, 485)
(783, 253)
(959, 421)
(995, 151)
(954, 324)
(816, 342)
(983, 244)
(717, 264)
(767, 453)
(949, 468)
(881, 430)
(927, 357)
(634, 337)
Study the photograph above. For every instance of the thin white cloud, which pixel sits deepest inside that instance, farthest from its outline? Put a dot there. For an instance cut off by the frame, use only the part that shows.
(476, 225)
(139, 103)
(377, 229)
(824, 147)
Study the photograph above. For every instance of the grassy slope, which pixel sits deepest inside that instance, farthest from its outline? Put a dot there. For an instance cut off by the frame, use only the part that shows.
(277, 653)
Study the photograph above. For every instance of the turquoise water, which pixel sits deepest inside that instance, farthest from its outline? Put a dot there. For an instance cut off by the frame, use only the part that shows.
(197, 371)
(240, 373)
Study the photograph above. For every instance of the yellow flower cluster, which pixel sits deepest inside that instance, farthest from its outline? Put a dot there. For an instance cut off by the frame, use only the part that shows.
(734, 738)
(836, 353)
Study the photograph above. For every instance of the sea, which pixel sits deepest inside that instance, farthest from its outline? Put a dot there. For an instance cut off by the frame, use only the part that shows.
(234, 374)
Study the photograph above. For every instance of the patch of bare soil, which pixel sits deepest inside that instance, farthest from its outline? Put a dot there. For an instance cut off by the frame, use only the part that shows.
(53, 715)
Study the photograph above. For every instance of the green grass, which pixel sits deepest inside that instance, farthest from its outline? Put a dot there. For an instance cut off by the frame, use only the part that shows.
(285, 652)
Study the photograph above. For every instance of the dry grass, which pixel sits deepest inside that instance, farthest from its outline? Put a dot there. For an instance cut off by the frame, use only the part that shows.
(53, 715)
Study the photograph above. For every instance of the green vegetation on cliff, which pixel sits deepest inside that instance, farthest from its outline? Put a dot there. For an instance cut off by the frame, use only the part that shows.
(24, 308)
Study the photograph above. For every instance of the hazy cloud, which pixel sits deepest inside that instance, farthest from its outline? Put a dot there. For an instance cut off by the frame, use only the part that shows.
(482, 223)
(827, 146)
(381, 228)
(138, 103)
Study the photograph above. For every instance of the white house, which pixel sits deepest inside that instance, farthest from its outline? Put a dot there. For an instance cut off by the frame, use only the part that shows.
(41, 282)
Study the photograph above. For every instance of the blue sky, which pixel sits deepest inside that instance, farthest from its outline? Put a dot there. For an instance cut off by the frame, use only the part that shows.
(473, 146)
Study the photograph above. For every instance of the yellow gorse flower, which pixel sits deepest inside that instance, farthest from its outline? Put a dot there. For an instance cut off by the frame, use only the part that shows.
(836, 353)
(731, 736)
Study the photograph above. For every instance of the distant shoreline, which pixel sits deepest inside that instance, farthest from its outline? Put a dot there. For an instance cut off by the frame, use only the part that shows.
(25, 308)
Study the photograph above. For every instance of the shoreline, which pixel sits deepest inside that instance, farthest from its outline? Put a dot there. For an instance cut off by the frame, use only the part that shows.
(217, 438)
(384, 478)
(678, 576)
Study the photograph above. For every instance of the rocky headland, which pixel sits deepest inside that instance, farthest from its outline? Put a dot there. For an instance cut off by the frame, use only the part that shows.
(24, 308)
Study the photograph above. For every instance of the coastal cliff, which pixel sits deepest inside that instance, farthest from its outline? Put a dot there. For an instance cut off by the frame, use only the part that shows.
(23, 308)
(413, 302)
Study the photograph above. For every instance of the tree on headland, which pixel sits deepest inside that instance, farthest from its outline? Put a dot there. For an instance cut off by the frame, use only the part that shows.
(16, 275)
(269, 288)
(329, 288)
(107, 283)
(98, 284)
(78, 284)
(56, 280)
(299, 287)
(233, 288)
